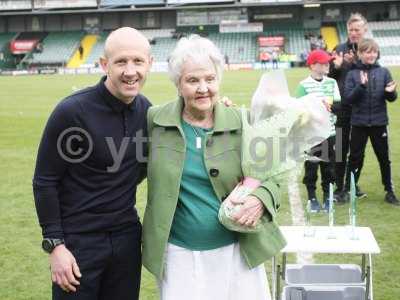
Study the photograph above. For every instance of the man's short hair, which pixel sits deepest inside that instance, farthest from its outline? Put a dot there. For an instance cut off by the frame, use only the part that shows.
(356, 17)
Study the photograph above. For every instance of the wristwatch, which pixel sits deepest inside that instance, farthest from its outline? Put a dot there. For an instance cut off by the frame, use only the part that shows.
(48, 245)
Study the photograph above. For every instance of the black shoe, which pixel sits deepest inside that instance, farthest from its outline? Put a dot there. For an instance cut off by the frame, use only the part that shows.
(325, 205)
(315, 207)
(391, 198)
(336, 194)
(359, 193)
(342, 197)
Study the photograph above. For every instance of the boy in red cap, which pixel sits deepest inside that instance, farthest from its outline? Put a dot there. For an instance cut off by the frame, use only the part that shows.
(323, 155)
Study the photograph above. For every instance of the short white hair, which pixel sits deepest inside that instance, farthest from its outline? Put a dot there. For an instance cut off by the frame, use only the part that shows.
(356, 17)
(196, 49)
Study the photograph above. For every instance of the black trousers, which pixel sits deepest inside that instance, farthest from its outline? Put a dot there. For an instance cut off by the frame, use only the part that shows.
(342, 170)
(326, 153)
(275, 64)
(110, 264)
(379, 139)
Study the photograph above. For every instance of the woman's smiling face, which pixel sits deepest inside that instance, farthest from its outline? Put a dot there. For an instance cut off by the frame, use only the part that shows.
(199, 86)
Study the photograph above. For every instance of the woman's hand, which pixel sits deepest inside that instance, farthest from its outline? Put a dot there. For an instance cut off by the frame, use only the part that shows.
(227, 102)
(250, 212)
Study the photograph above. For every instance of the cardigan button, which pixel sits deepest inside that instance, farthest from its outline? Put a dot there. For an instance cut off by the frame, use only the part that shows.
(214, 172)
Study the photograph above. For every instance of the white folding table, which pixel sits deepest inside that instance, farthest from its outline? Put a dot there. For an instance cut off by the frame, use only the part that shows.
(322, 242)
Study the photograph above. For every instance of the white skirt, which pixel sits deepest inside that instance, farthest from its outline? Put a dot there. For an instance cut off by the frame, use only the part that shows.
(219, 274)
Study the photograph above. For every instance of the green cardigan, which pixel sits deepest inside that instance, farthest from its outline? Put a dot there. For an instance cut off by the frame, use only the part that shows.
(222, 160)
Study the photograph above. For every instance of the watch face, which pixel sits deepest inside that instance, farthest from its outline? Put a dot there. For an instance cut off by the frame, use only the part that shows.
(47, 245)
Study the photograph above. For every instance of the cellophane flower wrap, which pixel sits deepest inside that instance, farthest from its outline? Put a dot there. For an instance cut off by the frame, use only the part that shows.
(276, 136)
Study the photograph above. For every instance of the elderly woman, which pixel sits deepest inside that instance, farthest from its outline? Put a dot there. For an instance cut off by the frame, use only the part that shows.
(194, 163)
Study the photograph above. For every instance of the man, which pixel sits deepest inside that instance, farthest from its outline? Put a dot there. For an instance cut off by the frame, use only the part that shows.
(226, 58)
(264, 57)
(275, 57)
(80, 49)
(88, 166)
(345, 57)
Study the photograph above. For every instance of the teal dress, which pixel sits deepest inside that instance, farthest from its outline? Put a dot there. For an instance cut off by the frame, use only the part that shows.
(195, 225)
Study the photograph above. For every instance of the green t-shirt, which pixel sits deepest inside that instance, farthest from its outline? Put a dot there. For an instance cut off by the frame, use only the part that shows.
(326, 89)
(195, 225)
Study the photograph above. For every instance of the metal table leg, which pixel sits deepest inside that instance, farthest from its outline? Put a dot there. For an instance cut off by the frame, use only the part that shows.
(367, 284)
(278, 283)
(363, 268)
(283, 273)
(371, 291)
(274, 275)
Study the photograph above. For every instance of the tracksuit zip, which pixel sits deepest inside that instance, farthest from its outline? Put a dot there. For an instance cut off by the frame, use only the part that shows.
(369, 97)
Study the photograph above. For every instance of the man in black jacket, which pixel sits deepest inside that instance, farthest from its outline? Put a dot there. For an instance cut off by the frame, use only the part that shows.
(368, 86)
(89, 163)
(345, 57)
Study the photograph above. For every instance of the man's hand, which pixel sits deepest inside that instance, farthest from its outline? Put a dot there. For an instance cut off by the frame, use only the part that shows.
(349, 57)
(64, 269)
(337, 59)
(364, 77)
(251, 211)
(390, 87)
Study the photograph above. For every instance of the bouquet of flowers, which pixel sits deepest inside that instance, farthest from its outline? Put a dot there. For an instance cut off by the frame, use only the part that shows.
(280, 131)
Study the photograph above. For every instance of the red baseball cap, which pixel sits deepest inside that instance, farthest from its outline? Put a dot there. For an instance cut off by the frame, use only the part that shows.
(318, 57)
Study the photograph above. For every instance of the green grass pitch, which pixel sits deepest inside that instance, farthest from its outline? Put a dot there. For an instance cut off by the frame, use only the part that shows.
(25, 104)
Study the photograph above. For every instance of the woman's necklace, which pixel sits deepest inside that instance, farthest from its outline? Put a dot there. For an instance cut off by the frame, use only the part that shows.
(198, 136)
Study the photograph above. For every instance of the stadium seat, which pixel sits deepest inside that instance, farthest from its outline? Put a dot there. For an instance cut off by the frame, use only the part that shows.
(239, 47)
(5, 39)
(295, 41)
(160, 50)
(97, 50)
(387, 35)
(6, 60)
(58, 48)
(342, 31)
(157, 33)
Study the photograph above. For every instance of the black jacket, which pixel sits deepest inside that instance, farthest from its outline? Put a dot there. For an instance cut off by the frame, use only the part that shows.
(90, 160)
(342, 110)
(368, 101)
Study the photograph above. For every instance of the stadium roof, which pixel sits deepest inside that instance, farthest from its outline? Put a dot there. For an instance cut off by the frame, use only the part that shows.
(19, 7)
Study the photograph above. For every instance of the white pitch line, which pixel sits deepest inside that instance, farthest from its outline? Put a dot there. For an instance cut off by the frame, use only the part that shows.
(297, 211)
